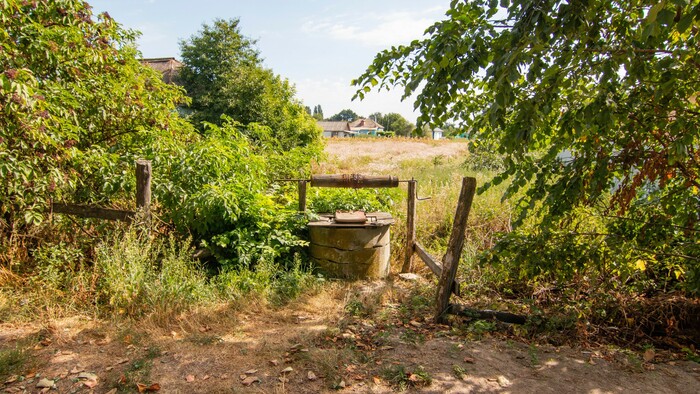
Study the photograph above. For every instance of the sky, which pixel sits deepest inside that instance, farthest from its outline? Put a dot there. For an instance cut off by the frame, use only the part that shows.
(319, 45)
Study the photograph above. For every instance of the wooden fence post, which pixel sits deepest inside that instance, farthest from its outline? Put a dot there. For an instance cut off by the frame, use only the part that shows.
(302, 196)
(410, 227)
(454, 248)
(143, 189)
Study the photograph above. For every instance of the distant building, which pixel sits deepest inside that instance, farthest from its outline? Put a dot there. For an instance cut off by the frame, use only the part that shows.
(342, 129)
(336, 129)
(437, 133)
(169, 67)
(365, 126)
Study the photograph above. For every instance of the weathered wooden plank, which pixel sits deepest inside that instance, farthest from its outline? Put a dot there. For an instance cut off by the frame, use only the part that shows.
(302, 196)
(143, 189)
(429, 260)
(410, 227)
(355, 181)
(486, 314)
(435, 266)
(87, 211)
(454, 248)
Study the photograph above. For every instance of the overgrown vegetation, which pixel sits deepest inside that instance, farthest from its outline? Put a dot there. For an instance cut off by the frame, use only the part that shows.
(78, 109)
(596, 121)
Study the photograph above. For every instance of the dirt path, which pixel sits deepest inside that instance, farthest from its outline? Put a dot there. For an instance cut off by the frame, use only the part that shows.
(360, 338)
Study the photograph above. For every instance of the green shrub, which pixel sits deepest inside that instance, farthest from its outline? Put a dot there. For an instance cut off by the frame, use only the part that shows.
(326, 200)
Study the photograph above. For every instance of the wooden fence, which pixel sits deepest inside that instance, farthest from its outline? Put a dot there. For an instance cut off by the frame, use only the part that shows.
(143, 201)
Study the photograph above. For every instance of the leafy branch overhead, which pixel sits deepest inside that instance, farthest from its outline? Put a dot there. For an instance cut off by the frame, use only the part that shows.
(593, 103)
(584, 96)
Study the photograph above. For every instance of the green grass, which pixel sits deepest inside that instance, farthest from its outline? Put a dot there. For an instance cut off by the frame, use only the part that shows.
(12, 361)
(401, 379)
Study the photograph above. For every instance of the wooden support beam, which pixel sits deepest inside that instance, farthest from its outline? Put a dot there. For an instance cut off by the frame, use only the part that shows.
(410, 227)
(302, 196)
(429, 260)
(143, 189)
(435, 266)
(86, 211)
(454, 248)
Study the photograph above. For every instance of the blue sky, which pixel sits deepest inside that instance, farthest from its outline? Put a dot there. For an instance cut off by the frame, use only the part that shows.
(320, 46)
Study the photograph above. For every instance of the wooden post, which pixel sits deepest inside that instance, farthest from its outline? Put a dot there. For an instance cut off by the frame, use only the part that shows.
(454, 248)
(143, 189)
(302, 196)
(410, 227)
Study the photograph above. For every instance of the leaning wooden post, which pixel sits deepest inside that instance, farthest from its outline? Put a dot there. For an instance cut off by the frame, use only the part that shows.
(302, 196)
(410, 227)
(454, 248)
(143, 189)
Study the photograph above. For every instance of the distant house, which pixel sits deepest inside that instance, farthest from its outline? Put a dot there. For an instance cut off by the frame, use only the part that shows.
(365, 126)
(437, 133)
(343, 129)
(169, 67)
(336, 129)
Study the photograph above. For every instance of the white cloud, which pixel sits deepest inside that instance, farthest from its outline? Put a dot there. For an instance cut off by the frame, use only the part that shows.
(375, 29)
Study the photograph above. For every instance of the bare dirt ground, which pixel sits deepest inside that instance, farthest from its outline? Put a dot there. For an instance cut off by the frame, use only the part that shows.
(361, 337)
(365, 337)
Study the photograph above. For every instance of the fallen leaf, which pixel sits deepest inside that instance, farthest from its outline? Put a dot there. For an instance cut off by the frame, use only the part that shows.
(413, 377)
(90, 383)
(250, 380)
(469, 360)
(376, 379)
(122, 361)
(109, 369)
(283, 379)
(12, 379)
(205, 377)
(43, 383)
(311, 376)
(251, 371)
(45, 390)
(112, 391)
(242, 376)
(503, 381)
(274, 362)
(224, 376)
(45, 341)
(144, 388)
(288, 370)
(189, 378)
(649, 355)
(204, 329)
(341, 384)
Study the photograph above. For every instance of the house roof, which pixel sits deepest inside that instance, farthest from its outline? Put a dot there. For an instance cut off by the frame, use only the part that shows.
(364, 123)
(333, 126)
(168, 66)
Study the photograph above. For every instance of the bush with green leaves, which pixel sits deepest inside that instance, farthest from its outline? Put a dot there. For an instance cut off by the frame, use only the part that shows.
(329, 200)
(219, 188)
(587, 112)
(74, 103)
